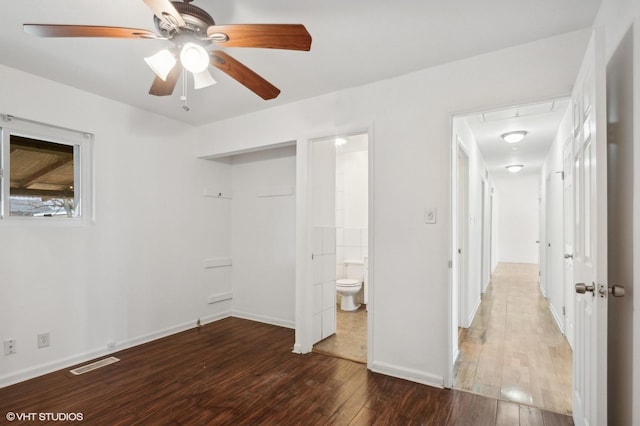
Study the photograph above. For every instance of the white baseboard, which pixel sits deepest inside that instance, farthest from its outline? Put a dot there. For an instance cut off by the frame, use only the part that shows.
(50, 367)
(557, 318)
(544, 294)
(265, 319)
(474, 311)
(408, 374)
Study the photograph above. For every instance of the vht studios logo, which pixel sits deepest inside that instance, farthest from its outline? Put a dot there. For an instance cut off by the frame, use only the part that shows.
(45, 417)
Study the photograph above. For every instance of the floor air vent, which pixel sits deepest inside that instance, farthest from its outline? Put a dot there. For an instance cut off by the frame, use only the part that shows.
(94, 365)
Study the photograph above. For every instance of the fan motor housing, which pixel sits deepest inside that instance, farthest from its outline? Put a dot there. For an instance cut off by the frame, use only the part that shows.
(196, 21)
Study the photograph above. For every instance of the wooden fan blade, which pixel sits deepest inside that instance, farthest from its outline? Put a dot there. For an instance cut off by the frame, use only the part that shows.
(272, 36)
(244, 75)
(45, 30)
(166, 12)
(165, 88)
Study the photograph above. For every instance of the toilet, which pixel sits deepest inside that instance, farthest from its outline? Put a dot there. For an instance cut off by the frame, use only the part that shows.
(350, 286)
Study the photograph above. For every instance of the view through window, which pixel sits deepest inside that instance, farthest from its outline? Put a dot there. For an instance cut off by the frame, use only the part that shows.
(42, 178)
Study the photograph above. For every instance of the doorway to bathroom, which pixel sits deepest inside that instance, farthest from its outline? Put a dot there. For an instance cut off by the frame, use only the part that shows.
(339, 175)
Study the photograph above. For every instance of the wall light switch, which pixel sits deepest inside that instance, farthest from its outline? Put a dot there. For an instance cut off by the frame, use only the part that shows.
(430, 215)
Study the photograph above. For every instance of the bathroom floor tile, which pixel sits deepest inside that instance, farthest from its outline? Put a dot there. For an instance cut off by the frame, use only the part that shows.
(350, 340)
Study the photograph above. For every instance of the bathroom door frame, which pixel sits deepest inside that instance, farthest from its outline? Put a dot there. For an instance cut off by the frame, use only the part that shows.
(304, 267)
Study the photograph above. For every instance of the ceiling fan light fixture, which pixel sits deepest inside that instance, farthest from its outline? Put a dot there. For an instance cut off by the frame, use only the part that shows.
(194, 58)
(514, 137)
(514, 168)
(203, 79)
(161, 63)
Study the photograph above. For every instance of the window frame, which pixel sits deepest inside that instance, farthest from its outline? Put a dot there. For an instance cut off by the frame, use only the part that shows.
(82, 143)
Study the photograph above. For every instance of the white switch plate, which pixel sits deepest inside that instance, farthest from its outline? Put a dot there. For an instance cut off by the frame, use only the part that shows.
(430, 215)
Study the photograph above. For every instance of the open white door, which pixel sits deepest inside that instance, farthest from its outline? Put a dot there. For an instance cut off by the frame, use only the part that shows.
(322, 231)
(568, 215)
(590, 238)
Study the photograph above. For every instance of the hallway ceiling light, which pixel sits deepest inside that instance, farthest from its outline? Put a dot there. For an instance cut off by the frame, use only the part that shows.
(340, 141)
(514, 137)
(514, 168)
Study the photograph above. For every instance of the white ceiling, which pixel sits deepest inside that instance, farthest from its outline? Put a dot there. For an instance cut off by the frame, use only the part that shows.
(541, 122)
(354, 42)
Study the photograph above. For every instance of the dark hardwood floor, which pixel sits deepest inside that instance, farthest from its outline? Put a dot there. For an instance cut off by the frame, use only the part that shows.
(240, 372)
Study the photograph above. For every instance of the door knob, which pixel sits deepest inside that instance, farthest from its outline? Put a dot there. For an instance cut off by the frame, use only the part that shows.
(582, 288)
(568, 256)
(616, 291)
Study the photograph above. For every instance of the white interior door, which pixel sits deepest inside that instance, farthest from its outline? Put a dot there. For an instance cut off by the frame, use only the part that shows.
(547, 269)
(590, 239)
(567, 200)
(463, 232)
(322, 231)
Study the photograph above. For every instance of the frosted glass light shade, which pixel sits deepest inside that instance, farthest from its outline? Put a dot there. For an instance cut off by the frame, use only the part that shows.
(203, 79)
(341, 141)
(161, 63)
(514, 137)
(194, 58)
(514, 168)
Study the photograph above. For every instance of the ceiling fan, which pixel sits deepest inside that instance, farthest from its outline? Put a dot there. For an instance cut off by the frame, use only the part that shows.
(192, 31)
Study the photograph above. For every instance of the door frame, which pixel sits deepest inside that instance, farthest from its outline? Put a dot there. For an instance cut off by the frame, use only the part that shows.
(453, 314)
(462, 226)
(304, 267)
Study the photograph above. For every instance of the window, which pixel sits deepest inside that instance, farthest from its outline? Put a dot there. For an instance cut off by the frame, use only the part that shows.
(43, 170)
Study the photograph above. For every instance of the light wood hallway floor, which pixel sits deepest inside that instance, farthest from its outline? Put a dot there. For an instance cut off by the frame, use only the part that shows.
(514, 350)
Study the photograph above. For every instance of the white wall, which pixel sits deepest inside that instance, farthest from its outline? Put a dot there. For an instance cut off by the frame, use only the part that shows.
(517, 213)
(263, 235)
(351, 207)
(552, 242)
(411, 121)
(617, 16)
(137, 272)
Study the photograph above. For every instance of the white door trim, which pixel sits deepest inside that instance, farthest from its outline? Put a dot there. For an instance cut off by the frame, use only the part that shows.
(304, 271)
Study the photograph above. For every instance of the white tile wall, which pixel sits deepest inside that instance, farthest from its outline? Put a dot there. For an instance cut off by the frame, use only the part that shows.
(317, 268)
(317, 299)
(328, 267)
(328, 294)
(317, 327)
(339, 218)
(328, 240)
(329, 321)
(352, 237)
(316, 240)
(353, 253)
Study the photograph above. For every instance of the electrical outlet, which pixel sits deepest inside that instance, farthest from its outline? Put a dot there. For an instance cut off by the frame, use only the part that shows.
(43, 340)
(10, 346)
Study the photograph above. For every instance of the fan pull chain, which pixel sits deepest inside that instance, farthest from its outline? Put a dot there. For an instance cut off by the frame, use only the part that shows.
(183, 98)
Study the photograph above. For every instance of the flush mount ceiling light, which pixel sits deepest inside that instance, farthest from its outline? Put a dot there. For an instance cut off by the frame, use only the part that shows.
(514, 168)
(514, 137)
(340, 141)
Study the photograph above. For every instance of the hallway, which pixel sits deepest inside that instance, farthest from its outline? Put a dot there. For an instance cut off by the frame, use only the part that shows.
(514, 350)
